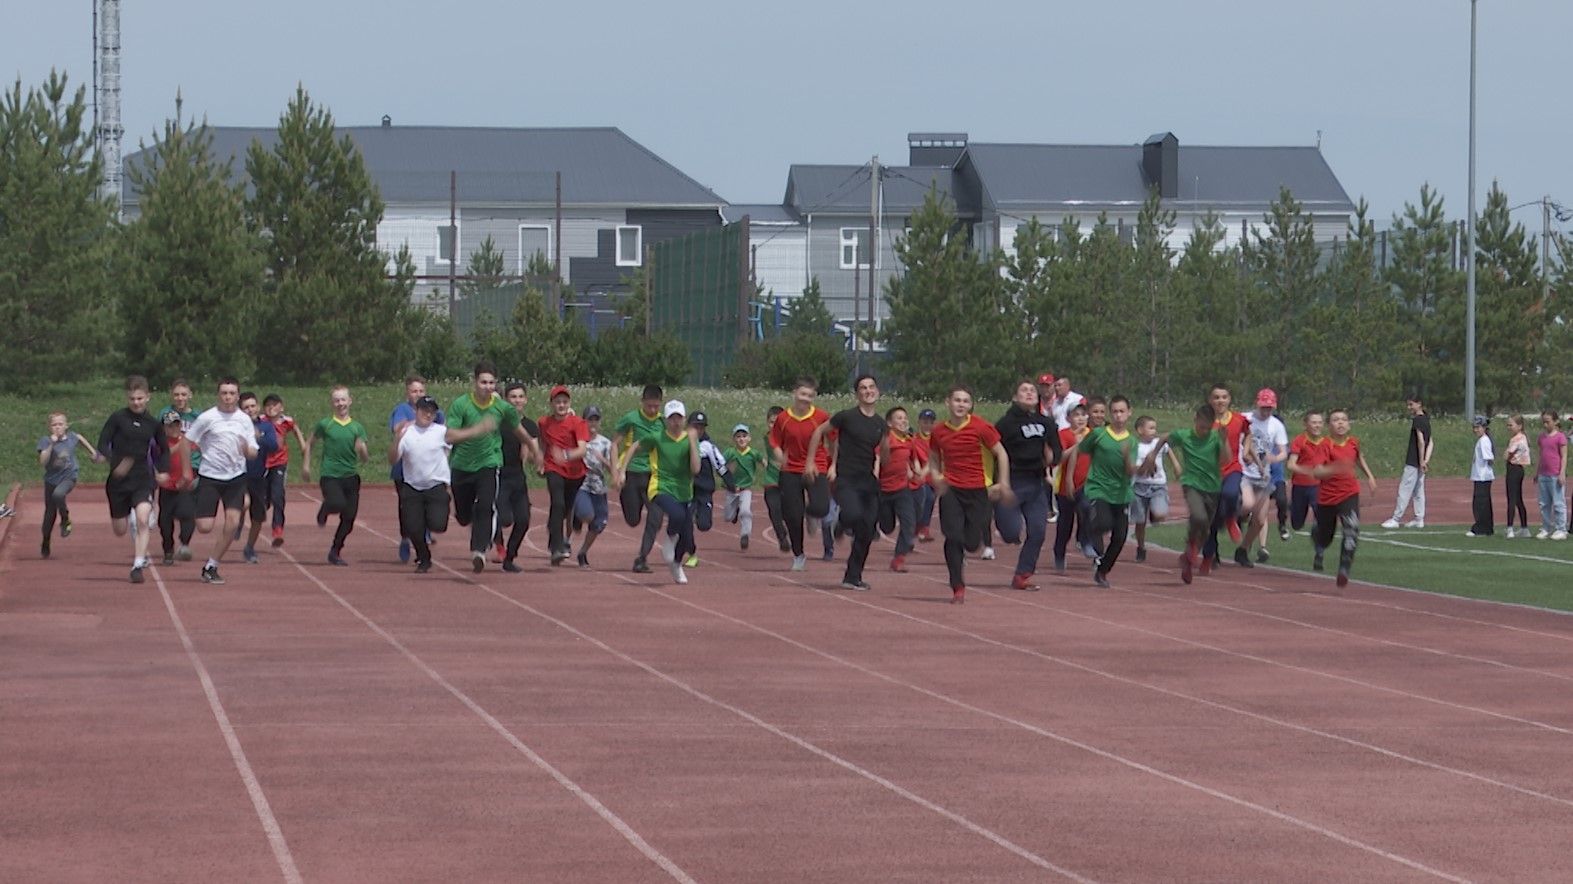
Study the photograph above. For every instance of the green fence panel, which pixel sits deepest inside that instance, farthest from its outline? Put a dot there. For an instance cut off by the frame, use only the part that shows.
(698, 292)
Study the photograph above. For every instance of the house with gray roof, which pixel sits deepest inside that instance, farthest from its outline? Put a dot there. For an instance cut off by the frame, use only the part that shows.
(617, 196)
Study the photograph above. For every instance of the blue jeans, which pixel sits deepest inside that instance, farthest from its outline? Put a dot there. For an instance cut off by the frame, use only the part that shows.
(1553, 504)
(1228, 508)
(678, 523)
(1030, 514)
(591, 509)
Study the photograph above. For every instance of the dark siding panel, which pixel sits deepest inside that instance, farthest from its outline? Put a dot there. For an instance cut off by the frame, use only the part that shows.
(664, 224)
(600, 272)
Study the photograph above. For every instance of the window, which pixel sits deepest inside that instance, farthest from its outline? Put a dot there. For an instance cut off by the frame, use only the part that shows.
(446, 236)
(534, 239)
(854, 248)
(630, 245)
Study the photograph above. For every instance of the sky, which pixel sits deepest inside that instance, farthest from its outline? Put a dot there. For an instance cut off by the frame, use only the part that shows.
(733, 93)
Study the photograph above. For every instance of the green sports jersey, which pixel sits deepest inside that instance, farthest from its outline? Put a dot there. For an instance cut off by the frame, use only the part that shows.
(745, 465)
(339, 459)
(671, 471)
(485, 451)
(640, 424)
(772, 476)
(1108, 479)
(1199, 458)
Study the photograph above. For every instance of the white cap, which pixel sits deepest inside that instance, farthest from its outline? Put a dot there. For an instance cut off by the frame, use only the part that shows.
(674, 406)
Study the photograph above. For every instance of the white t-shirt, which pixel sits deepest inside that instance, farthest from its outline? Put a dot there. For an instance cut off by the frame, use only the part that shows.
(1142, 450)
(423, 452)
(1481, 469)
(222, 437)
(1270, 438)
(1061, 408)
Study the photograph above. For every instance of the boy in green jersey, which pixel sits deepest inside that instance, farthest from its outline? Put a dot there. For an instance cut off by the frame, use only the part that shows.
(476, 461)
(634, 497)
(674, 460)
(745, 466)
(1108, 487)
(1202, 454)
(771, 483)
(343, 451)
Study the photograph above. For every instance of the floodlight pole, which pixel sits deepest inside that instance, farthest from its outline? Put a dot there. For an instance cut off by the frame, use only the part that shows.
(1469, 236)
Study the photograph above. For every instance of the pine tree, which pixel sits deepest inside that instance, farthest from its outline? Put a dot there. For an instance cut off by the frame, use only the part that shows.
(484, 272)
(1152, 271)
(1511, 320)
(1207, 303)
(1282, 262)
(56, 238)
(191, 272)
(1351, 339)
(1105, 361)
(328, 296)
(1431, 298)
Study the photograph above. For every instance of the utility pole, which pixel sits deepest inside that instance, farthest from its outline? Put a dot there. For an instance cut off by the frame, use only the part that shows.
(1469, 285)
(453, 238)
(873, 245)
(557, 249)
(1545, 250)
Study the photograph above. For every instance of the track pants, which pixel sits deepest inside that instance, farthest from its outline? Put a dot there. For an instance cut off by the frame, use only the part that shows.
(475, 505)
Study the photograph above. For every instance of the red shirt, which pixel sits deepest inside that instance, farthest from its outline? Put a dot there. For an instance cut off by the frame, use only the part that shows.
(1235, 427)
(179, 462)
(895, 469)
(964, 450)
(920, 455)
(791, 433)
(1069, 484)
(280, 458)
(565, 433)
(1298, 448)
(1344, 484)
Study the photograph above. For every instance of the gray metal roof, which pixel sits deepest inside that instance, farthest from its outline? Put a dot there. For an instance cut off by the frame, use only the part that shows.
(410, 164)
(1016, 177)
(844, 190)
(759, 213)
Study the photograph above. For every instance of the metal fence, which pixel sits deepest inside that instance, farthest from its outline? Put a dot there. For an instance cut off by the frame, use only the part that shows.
(491, 301)
(699, 292)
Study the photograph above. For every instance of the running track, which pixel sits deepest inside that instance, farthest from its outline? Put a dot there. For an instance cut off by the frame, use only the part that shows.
(315, 723)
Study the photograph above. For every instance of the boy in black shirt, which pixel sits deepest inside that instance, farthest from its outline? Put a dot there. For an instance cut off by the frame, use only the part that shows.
(1033, 442)
(134, 445)
(861, 441)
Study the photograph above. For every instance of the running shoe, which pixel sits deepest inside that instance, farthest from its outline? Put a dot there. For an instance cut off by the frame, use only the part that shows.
(477, 561)
(988, 554)
(1343, 577)
(676, 568)
(422, 567)
(278, 536)
(898, 564)
(511, 566)
(856, 585)
(692, 561)
(1262, 555)
(65, 526)
(1185, 568)
(335, 559)
(43, 548)
(250, 555)
(136, 574)
(958, 595)
(1141, 554)
(183, 554)
(641, 566)
(1100, 580)
(800, 563)
(210, 575)
(583, 559)
(1023, 582)
(743, 541)
(1390, 524)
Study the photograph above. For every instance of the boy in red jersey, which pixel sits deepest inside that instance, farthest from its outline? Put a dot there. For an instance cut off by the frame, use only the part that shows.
(1334, 461)
(1302, 488)
(1235, 427)
(1069, 482)
(564, 440)
(899, 475)
(789, 436)
(277, 465)
(967, 482)
(923, 501)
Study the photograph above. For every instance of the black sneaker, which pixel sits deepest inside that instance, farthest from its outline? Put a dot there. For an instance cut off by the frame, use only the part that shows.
(743, 541)
(583, 560)
(511, 566)
(1284, 533)
(169, 559)
(477, 562)
(1262, 555)
(1316, 564)
(422, 567)
(557, 557)
(210, 575)
(136, 574)
(322, 517)
(856, 586)
(786, 545)
(43, 548)
(640, 566)
(65, 526)
(1141, 554)
(1100, 580)
(335, 559)
(1242, 558)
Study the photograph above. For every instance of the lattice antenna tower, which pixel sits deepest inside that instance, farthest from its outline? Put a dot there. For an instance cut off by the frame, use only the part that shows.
(106, 94)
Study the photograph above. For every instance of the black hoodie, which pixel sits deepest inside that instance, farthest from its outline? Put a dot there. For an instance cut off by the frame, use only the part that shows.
(1024, 434)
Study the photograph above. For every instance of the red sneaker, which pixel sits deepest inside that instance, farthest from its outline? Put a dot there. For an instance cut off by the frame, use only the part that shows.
(899, 564)
(1023, 582)
(501, 551)
(1234, 530)
(1206, 566)
(958, 595)
(278, 536)
(1185, 568)
(924, 536)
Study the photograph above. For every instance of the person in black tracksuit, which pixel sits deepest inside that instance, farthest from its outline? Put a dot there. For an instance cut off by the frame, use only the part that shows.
(1033, 442)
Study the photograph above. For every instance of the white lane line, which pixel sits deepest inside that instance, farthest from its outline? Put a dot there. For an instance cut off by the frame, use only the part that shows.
(601, 810)
(259, 800)
(1528, 557)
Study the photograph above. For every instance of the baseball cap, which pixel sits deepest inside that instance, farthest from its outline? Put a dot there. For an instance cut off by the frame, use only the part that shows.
(927, 414)
(171, 417)
(673, 406)
(1045, 380)
(560, 390)
(699, 419)
(427, 403)
(592, 412)
(740, 428)
(1480, 421)
(1266, 398)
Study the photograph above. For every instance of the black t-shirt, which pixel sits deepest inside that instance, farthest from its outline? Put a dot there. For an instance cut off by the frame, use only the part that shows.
(859, 439)
(1419, 435)
(1024, 433)
(135, 437)
(512, 457)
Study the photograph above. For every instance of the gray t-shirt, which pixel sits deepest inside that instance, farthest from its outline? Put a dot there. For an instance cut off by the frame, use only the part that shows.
(62, 466)
(597, 460)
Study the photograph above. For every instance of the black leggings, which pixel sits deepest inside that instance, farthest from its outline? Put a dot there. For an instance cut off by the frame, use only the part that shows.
(342, 496)
(800, 499)
(963, 517)
(560, 492)
(513, 509)
(420, 512)
(859, 502)
(176, 506)
(773, 509)
(1515, 496)
(1115, 519)
(475, 505)
(55, 504)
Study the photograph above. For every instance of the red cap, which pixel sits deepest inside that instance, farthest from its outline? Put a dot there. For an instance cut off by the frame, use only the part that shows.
(1045, 380)
(1266, 398)
(559, 390)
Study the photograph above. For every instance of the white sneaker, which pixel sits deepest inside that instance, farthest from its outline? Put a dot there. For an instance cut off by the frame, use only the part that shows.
(1559, 535)
(800, 563)
(1390, 524)
(1511, 534)
(1472, 534)
(676, 568)
(1542, 535)
(1415, 523)
(668, 548)
(988, 554)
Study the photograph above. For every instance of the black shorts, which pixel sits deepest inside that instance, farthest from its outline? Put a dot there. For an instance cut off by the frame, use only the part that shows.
(127, 495)
(257, 497)
(210, 492)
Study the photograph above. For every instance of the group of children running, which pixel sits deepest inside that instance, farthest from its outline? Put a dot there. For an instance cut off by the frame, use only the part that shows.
(1055, 457)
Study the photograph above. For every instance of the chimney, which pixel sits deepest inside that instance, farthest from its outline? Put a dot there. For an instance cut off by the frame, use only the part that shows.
(387, 122)
(1161, 164)
(932, 149)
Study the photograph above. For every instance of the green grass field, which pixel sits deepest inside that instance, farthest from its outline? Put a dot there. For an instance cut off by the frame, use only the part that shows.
(1435, 559)
(24, 418)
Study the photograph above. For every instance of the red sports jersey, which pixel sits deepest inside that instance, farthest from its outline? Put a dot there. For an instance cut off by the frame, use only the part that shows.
(1069, 484)
(895, 469)
(964, 451)
(1297, 449)
(280, 458)
(790, 433)
(920, 454)
(179, 462)
(1345, 457)
(565, 433)
(1235, 427)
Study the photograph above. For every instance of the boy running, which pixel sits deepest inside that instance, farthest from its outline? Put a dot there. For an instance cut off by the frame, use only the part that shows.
(403, 413)
(476, 460)
(278, 462)
(1149, 490)
(420, 448)
(1333, 462)
(590, 503)
(1109, 450)
(1033, 442)
(711, 464)
(1302, 487)
(1235, 426)
(1267, 443)
(924, 486)
(513, 490)
(898, 470)
(634, 498)
(227, 439)
(861, 437)
(965, 480)
(1070, 490)
(745, 466)
(137, 454)
(563, 438)
(57, 455)
(772, 485)
(1203, 456)
(344, 449)
(180, 406)
(673, 459)
(177, 492)
(258, 490)
(803, 495)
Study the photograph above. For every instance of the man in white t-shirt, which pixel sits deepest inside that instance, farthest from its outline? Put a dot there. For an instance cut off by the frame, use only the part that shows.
(1065, 399)
(228, 438)
(1266, 443)
(420, 449)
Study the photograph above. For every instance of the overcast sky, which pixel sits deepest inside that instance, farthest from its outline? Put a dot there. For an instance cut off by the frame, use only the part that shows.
(732, 93)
